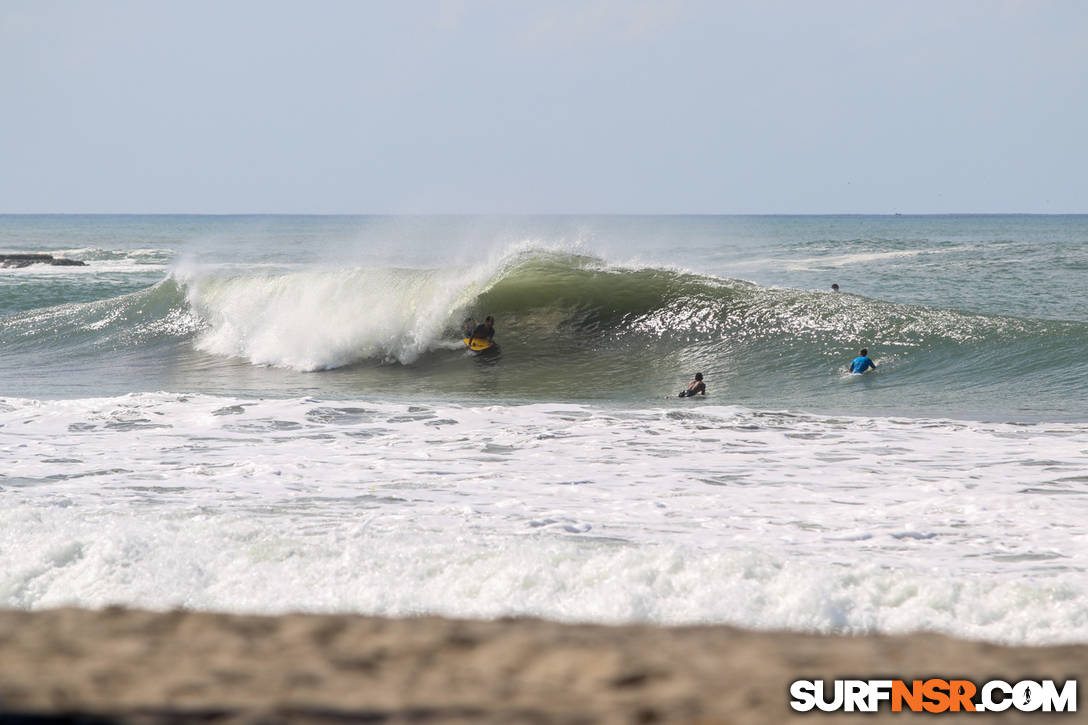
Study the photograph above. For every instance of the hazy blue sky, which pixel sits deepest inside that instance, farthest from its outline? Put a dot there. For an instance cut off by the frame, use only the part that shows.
(623, 106)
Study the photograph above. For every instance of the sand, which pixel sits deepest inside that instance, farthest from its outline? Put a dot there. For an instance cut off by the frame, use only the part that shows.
(179, 667)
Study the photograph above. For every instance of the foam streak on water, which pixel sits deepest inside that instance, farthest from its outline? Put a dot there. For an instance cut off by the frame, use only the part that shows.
(707, 514)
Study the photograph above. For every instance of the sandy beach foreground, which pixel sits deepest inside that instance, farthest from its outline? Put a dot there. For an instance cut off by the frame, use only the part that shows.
(119, 665)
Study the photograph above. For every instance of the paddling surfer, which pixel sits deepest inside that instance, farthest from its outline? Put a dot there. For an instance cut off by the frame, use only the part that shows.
(695, 387)
(862, 363)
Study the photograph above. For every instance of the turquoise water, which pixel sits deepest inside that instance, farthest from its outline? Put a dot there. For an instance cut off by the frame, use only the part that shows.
(967, 316)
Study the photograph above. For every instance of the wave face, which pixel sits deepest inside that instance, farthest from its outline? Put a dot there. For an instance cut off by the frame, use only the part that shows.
(574, 326)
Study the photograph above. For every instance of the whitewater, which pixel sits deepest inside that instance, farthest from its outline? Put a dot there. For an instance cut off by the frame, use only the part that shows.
(275, 414)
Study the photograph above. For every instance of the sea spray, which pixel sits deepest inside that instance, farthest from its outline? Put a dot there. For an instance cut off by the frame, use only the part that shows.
(323, 318)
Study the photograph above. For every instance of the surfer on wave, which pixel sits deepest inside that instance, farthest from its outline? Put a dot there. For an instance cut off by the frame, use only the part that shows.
(484, 331)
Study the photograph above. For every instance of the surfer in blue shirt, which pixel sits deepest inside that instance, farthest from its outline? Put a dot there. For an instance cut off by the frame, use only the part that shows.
(696, 387)
(862, 363)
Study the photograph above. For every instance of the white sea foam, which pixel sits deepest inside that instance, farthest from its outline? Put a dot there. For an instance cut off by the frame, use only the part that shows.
(317, 320)
(322, 318)
(98, 263)
(761, 519)
(144, 256)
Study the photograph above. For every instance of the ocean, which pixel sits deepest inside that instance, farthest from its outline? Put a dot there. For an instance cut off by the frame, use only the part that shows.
(276, 413)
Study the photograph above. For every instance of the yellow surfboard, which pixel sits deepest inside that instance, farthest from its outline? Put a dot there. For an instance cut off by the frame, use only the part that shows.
(478, 344)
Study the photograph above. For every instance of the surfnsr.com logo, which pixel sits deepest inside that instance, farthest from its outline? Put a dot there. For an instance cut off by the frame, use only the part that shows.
(933, 695)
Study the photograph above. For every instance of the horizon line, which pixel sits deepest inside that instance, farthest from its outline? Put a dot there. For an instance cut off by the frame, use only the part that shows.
(543, 214)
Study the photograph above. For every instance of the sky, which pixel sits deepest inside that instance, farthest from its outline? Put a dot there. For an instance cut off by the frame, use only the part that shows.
(512, 107)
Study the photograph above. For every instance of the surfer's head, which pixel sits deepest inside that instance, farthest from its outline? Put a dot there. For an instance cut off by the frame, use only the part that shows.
(698, 376)
(489, 320)
(864, 351)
